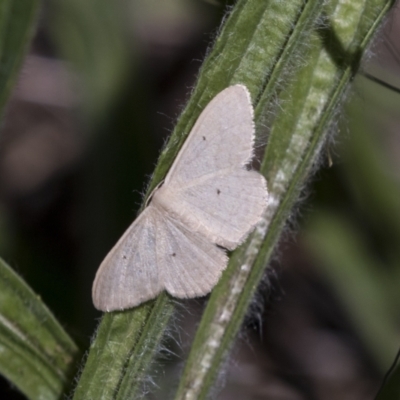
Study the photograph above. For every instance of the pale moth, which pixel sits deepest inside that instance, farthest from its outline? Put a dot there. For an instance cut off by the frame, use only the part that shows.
(209, 203)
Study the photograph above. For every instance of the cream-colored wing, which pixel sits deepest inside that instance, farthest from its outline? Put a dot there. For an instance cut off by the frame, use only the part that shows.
(222, 137)
(189, 264)
(224, 208)
(209, 188)
(129, 274)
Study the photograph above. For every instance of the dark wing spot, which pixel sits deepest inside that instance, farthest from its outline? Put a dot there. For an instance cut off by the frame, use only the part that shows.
(173, 254)
(218, 191)
(204, 138)
(124, 257)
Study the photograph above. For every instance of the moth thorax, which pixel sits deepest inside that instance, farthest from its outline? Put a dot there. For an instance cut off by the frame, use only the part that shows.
(164, 198)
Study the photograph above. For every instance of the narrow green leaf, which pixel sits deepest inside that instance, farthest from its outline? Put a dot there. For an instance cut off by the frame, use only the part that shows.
(36, 354)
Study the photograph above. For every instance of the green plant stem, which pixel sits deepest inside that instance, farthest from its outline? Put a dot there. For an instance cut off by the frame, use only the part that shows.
(234, 58)
(117, 335)
(149, 341)
(390, 389)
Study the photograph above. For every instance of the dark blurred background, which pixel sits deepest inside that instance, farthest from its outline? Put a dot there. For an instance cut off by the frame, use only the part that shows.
(98, 95)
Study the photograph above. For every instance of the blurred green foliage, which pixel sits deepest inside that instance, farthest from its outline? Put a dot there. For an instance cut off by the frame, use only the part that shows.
(353, 231)
(17, 23)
